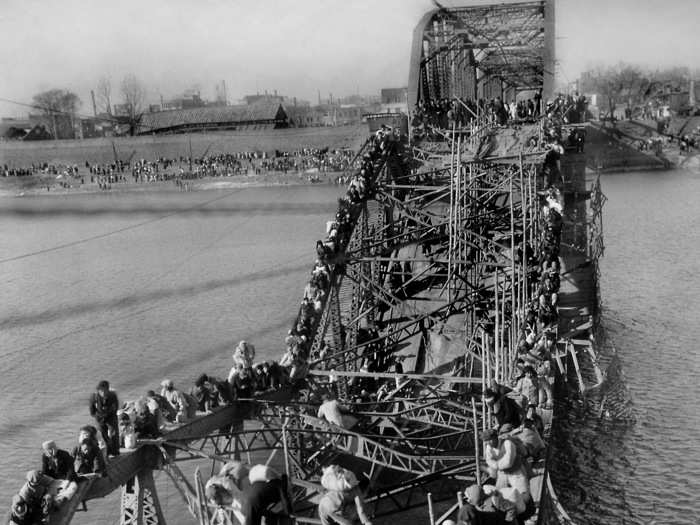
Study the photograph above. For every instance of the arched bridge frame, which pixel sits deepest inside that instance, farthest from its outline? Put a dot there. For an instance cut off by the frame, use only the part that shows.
(483, 51)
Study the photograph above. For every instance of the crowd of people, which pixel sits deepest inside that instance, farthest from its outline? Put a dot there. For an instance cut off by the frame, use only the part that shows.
(121, 426)
(255, 493)
(50, 487)
(509, 448)
(328, 262)
(460, 112)
(177, 169)
(517, 441)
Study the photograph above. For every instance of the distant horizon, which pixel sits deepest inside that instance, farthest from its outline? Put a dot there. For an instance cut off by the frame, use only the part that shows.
(332, 46)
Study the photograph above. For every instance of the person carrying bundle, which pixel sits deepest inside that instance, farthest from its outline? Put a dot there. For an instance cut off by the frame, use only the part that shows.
(343, 502)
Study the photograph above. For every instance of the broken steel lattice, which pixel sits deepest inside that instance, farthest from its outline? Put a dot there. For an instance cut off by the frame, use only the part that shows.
(431, 277)
(434, 277)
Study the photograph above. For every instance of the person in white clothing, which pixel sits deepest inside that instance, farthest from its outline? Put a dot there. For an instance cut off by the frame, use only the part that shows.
(505, 462)
(507, 500)
(175, 399)
(335, 413)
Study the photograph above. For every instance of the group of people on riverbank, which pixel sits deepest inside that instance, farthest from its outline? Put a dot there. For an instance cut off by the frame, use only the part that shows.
(163, 169)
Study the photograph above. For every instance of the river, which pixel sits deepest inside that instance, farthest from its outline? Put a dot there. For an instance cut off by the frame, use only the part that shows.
(644, 472)
(134, 288)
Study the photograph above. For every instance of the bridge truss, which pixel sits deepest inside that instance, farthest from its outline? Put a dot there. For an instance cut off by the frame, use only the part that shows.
(431, 278)
(424, 306)
(483, 51)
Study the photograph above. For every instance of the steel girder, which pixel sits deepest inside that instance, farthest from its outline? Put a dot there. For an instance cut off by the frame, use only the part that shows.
(456, 48)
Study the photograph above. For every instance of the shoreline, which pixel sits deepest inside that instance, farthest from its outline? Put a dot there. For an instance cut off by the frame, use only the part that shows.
(37, 187)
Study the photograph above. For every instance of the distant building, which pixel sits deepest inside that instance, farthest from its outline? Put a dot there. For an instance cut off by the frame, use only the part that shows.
(63, 125)
(394, 95)
(394, 100)
(40, 127)
(304, 116)
(188, 101)
(38, 132)
(15, 129)
(264, 99)
(103, 125)
(256, 116)
(121, 110)
(342, 115)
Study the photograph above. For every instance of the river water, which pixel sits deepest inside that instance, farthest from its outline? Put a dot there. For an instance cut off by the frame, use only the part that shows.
(134, 288)
(647, 471)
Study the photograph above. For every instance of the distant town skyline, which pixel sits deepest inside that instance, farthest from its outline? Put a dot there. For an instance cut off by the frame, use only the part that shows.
(298, 48)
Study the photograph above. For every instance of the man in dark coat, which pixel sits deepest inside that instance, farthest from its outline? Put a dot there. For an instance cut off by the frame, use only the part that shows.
(505, 409)
(21, 514)
(103, 407)
(88, 459)
(262, 496)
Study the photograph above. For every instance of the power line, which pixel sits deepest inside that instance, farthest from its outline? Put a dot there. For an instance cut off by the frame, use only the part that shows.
(114, 232)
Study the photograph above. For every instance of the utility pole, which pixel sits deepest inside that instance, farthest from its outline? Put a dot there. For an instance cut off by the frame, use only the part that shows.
(691, 92)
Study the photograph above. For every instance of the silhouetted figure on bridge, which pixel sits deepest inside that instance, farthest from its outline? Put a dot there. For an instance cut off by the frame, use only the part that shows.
(103, 407)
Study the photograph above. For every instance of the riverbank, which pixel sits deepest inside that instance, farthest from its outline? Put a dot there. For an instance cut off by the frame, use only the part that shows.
(105, 150)
(264, 144)
(618, 149)
(48, 185)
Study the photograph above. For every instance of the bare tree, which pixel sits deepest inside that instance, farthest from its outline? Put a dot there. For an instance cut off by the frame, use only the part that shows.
(134, 95)
(104, 94)
(618, 82)
(59, 107)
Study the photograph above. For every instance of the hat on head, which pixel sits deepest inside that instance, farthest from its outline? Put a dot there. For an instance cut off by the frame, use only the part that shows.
(46, 445)
(490, 395)
(166, 383)
(103, 385)
(33, 477)
(234, 469)
(473, 494)
(489, 489)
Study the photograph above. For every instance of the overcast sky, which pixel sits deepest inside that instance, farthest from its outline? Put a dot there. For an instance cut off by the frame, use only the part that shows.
(295, 46)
